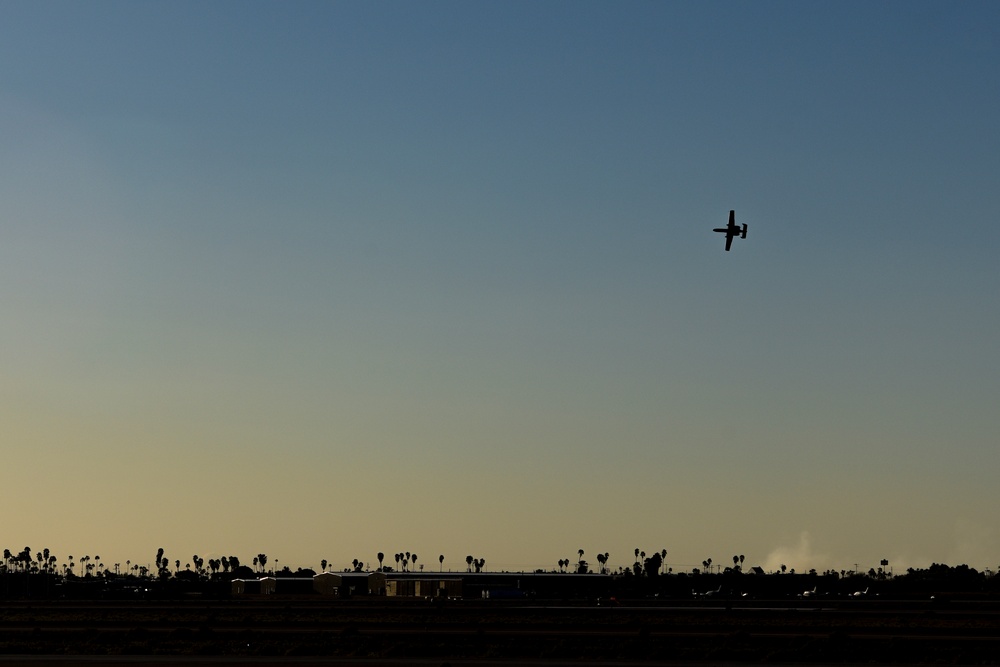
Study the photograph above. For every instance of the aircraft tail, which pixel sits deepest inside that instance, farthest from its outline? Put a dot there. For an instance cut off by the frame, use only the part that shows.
(744, 234)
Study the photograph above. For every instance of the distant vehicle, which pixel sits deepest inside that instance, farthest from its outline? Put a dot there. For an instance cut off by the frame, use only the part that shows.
(732, 230)
(503, 593)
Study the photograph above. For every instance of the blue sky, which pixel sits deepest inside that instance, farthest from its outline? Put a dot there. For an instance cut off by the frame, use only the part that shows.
(440, 277)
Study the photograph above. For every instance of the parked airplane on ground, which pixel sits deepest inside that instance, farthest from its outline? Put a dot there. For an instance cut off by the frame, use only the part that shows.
(731, 230)
(708, 594)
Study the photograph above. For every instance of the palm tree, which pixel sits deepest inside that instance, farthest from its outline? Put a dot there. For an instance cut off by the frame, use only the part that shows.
(322, 564)
(380, 556)
(413, 558)
(441, 562)
(468, 561)
(262, 560)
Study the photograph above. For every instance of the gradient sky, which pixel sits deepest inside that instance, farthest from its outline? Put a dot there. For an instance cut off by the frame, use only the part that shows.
(323, 279)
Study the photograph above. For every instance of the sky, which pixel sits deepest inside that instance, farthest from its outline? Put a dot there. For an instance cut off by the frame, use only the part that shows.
(324, 279)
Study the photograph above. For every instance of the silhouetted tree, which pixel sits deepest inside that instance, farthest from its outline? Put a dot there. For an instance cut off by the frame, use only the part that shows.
(652, 564)
(469, 561)
(380, 556)
(161, 569)
(440, 562)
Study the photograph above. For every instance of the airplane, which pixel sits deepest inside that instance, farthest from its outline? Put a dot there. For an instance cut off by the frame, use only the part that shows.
(732, 230)
(708, 594)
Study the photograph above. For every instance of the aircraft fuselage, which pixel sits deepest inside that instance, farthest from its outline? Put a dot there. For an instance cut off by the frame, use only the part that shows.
(732, 230)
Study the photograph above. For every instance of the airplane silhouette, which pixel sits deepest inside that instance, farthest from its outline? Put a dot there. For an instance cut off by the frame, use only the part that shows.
(732, 230)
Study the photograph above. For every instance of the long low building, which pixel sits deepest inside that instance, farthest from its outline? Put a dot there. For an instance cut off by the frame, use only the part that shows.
(429, 585)
(497, 584)
(426, 587)
(325, 583)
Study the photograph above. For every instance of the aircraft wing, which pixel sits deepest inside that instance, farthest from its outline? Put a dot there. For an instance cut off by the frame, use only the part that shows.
(729, 241)
(732, 218)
